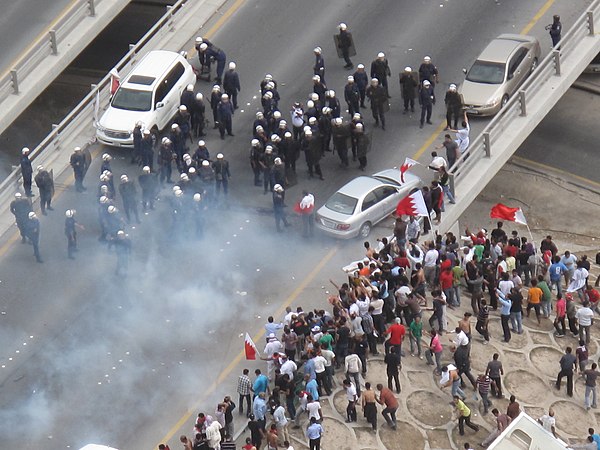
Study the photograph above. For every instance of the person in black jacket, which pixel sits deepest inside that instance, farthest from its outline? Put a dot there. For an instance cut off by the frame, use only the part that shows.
(378, 96)
(453, 107)
(408, 89)
(426, 100)
(362, 81)
(279, 207)
(380, 69)
(345, 42)
(352, 96)
(428, 71)
(231, 84)
(26, 171)
(555, 30)
(225, 116)
(45, 184)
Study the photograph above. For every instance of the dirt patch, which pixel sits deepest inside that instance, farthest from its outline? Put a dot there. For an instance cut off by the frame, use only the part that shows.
(526, 387)
(534, 411)
(438, 439)
(571, 418)
(429, 408)
(531, 323)
(470, 435)
(512, 360)
(340, 402)
(338, 436)
(563, 343)
(410, 435)
(545, 360)
(418, 380)
(366, 436)
(541, 338)
(481, 355)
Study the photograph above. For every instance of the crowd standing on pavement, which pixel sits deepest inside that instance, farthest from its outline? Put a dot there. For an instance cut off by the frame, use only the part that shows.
(402, 289)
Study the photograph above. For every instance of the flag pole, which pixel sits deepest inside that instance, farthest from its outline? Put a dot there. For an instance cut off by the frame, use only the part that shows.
(535, 267)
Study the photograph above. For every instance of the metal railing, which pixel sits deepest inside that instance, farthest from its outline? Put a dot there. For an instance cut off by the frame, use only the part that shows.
(482, 146)
(47, 45)
(84, 112)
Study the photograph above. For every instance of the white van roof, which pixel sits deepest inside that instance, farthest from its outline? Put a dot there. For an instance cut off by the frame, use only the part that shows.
(151, 68)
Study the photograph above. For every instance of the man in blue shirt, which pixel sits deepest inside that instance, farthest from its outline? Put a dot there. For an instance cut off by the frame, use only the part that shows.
(556, 270)
(506, 304)
(312, 387)
(259, 408)
(595, 437)
(314, 433)
(261, 384)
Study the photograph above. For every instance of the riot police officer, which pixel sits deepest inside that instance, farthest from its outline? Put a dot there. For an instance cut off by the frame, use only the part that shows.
(256, 151)
(129, 196)
(380, 69)
(45, 184)
(377, 95)
(222, 174)
(231, 84)
(279, 207)
(78, 164)
(26, 171)
(32, 228)
(149, 186)
(408, 89)
(21, 207)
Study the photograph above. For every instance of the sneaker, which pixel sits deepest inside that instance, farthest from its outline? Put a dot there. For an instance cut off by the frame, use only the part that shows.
(560, 336)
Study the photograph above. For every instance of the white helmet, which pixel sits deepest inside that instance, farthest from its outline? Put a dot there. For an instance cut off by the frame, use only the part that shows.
(270, 85)
(308, 132)
(146, 169)
(427, 58)
(199, 96)
(178, 193)
(338, 121)
(174, 126)
(317, 50)
(452, 87)
(205, 163)
(360, 66)
(359, 126)
(356, 116)
(316, 78)
(198, 40)
(259, 128)
(277, 114)
(287, 134)
(203, 47)
(314, 97)
(326, 110)
(268, 94)
(77, 149)
(231, 65)
(190, 88)
(255, 142)
(147, 132)
(175, 188)
(268, 77)
(408, 69)
(201, 143)
(192, 170)
(269, 149)
(184, 177)
(219, 155)
(104, 189)
(124, 178)
(18, 195)
(342, 26)
(40, 168)
(70, 213)
(106, 157)
(197, 197)
(120, 233)
(282, 124)
(312, 120)
(103, 177)
(381, 55)
(350, 79)
(278, 188)
(259, 115)
(103, 199)
(164, 140)
(25, 150)
(224, 97)
(183, 108)
(277, 161)
(112, 209)
(374, 81)
(331, 93)
(31, 215)
(426, 83)
(310, 104)
(216, 87)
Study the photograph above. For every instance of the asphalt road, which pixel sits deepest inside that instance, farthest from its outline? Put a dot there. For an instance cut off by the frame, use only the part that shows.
(88, 357)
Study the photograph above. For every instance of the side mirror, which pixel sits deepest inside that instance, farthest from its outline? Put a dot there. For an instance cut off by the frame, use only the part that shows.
(464, 70)
(159, 105)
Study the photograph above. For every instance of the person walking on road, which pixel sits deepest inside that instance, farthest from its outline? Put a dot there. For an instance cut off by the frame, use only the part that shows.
(345, 43)
(464, 416)
(426, 100)
(555, 30)
(389, 400)
(78, 164)
(408, 89)
(33, 234)
(567, 363)
(279, 207)
(231, 84)
(45, 184)
(319, 67)
(377, 95)
(21, 207)
(380, 69)
(225, 116)
(71, 226)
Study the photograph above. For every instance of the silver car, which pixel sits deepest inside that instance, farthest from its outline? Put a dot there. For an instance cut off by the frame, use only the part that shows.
(363, 202)
(498, 72)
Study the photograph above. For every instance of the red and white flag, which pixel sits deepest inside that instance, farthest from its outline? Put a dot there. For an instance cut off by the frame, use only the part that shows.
(504, 212)
(412, 205)
(408, 163)
(250, 348)
(115, 81)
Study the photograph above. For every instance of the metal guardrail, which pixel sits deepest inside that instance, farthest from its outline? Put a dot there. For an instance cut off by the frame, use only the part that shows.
(47, 45)
(482, 146)
(84, 111)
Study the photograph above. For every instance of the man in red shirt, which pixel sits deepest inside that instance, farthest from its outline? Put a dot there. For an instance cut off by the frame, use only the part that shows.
(396, 332)
(447, 283)
(593, 297)
(389, 400)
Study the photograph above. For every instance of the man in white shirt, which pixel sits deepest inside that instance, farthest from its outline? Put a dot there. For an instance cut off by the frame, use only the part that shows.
(461, 338)
(578, 281)
(307, 206)
(585, 317)
(273, 346)
(313, 407)
(548, 422)
(430, 265)
(353, 368)
(462, 135)
(352, 397)
(288, 367)
(282, 423)
(319, 363)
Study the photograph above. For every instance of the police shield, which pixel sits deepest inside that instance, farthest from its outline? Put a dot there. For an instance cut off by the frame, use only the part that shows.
(351, 49)
(88, 160)
(51, 173)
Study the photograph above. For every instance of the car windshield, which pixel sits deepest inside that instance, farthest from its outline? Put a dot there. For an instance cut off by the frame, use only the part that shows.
(486, 72)
(132, 100)
(342, 203)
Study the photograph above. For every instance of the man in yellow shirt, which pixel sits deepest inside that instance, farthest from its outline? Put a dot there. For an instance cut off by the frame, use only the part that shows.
(534, 299)
(464, 416)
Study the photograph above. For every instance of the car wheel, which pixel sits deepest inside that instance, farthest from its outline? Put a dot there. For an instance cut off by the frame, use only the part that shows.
(504, 101)
(534, 65)
(365, 230)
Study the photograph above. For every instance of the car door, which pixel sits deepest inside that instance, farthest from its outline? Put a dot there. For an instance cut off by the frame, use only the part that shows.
(387, 197)
(369, 210)
(170, 101)
(516, 70)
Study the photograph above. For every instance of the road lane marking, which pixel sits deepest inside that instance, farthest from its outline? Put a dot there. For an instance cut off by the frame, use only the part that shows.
(556, 169)
(232, 365)
(545, 7)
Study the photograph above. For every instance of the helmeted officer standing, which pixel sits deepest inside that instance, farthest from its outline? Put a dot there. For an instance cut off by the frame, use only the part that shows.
(129, 196)
(380, 69)
(71, 226)
(279, 207)
(428, 71)
(256, 151)
(26, 171)
(21, 207)
(149, 186)
(319, 67)
(198, 212)
(345, 42)
(231, 84)
(45, 184)
(426, 100)
(33, 234)
(184, 120)
(341, 135)
(198, 111)
(78, 164)
(555, 30)
(218, 55)
(378, 97)
(453, 107)
(137, 143)
(215, 99)
(362, 145)
(147, 156)
(362, 81)
(267, 161)
(202, 57)
(352, 96)
(408, 89)
(165, 160)
(312, 153)
(187, 97)
(123, 249)
(222, 174)
(225, 116)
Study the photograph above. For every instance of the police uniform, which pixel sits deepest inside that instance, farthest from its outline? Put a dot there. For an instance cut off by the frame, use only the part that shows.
(26, 172)
(21, 207)
(45, 184)
(33, 234)
(279, 208)
(222, 174)
(78, 164)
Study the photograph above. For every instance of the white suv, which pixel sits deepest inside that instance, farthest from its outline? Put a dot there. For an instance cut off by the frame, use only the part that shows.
(149, 94)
